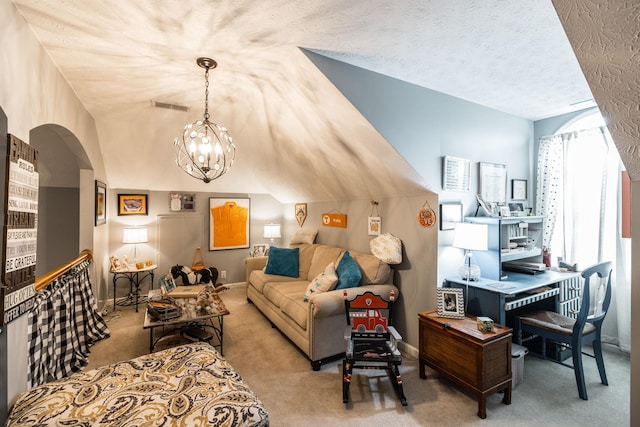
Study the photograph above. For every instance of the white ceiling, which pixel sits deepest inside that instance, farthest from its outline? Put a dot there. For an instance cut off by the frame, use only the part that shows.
(119, 56)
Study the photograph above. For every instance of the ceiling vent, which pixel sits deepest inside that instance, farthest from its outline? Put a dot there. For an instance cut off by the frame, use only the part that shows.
(170, 106)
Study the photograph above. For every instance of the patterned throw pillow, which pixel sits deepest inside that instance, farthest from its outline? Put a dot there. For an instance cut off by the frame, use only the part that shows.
(348, 271)
(323, 282)
(387, 248)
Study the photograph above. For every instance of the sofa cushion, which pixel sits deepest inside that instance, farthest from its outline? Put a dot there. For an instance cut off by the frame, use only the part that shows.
(258, 279)
(322, 256)
(303, 236)
(304, 259)
(374, 271)
(275, 291)
(349, 274)
(294, 307)
(283, 262)
(325, 281)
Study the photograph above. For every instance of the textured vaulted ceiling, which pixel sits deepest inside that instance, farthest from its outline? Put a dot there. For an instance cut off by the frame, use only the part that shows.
(298, 138)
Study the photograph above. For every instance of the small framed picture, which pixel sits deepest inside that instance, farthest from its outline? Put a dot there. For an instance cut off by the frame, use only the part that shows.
(504, 211)
(132, 204)
(519, 189)
(101, 203)
(167, 284)
(182, 202)
(517, 209)
(450, 303)
(450, 214)
(259, 249)
(373, 225)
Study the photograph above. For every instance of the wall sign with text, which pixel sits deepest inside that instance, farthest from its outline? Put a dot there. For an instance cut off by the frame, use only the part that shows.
(334, 220)
(20, 233)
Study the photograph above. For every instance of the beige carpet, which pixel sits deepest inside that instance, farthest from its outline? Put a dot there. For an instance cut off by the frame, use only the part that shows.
(294, 395)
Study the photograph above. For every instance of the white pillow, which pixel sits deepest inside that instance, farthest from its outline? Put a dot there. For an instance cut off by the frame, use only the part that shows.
(303, 236)
(323, 282)
(387, 248)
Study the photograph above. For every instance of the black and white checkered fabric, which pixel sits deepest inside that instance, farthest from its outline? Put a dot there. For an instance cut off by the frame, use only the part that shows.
(63, 323)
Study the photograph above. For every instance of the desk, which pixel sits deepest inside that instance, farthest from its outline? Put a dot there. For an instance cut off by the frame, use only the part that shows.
(501, 300)
(135, 276)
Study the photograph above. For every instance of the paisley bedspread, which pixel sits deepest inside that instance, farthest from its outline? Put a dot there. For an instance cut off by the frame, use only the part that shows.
(189, 385)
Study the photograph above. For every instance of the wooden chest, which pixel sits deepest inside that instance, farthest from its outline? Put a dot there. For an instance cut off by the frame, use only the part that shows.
(455, 348)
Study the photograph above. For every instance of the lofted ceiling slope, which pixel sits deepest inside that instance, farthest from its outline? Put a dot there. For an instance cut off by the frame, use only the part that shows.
(298, 138)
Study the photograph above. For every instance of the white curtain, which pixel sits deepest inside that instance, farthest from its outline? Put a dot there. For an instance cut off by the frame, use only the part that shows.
(579, 176)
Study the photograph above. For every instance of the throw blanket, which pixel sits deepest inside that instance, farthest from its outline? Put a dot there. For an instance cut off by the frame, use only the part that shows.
(189, 385)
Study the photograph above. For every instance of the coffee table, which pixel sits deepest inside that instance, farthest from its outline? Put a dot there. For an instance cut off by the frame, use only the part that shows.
(193, 322)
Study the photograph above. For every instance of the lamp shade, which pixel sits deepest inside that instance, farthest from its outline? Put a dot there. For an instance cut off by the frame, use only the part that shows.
(473, 237)
(135, 235)
(272, 231)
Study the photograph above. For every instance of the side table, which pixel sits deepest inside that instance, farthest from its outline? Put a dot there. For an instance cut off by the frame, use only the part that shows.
(478, 362)
(135, 276)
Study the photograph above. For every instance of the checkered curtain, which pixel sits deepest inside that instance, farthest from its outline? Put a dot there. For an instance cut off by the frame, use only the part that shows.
(63, 323)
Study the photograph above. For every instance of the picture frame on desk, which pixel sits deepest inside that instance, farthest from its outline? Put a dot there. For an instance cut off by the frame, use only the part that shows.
(259, 249)
(517, 208)
(450, 303)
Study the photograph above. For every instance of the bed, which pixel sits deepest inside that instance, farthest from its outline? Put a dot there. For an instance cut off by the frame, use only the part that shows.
(188, 385)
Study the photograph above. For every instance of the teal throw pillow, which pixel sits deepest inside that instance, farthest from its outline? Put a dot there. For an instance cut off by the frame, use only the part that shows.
(283, 262)
(349, 274)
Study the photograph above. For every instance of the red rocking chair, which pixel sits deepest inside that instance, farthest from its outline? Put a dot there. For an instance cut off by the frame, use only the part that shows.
(371, 340)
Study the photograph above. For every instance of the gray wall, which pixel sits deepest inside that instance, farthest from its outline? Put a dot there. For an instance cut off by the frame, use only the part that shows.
(424, 125)
(58, 227)
(415, 276)
(183, 232)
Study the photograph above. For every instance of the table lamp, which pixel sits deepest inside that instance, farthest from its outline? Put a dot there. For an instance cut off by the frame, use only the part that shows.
(135, 235)
(271, 232)
(470, 237)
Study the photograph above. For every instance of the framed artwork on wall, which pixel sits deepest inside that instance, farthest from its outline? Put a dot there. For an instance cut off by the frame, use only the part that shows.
(228, 223)
(492, 182)
(456, 174)
(101, 203)
(519, 189)
(132, 204)
(450, 213)
(185, 202)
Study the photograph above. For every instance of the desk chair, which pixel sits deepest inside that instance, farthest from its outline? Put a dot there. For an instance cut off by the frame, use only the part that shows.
(371, 340)
(585, 328)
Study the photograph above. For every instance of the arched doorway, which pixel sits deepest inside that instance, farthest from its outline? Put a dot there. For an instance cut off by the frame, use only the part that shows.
(61, 159)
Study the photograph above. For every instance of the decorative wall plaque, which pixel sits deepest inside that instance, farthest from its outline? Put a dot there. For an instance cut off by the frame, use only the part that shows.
(20, 235)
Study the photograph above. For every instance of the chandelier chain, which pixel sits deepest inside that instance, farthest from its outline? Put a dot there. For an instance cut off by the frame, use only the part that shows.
(206, 94)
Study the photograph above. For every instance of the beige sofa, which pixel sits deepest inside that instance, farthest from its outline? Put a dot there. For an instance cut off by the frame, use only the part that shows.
(315, 326)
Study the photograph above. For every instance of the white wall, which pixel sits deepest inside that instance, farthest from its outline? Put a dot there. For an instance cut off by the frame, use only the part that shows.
(33, 93)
